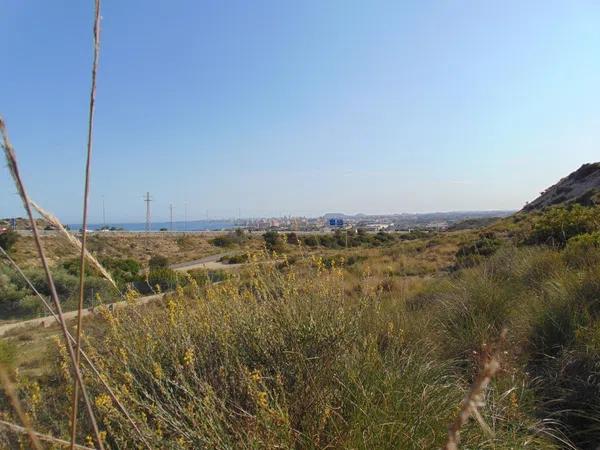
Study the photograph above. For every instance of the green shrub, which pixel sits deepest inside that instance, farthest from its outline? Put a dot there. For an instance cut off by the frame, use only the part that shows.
(311, 240)
(274, 242)
(413, 234)
(158, 262)
(123, 270)
(164, 277)
(354, 259)
(559, 224)
(383, 237)
(583, 250)
(235, 259)
(72, 266)
(471, 253)
(237, 237)
(8, 239)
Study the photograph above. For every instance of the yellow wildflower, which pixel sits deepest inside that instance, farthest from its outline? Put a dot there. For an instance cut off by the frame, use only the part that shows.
(158, 371)
(255, 376)
(188, 358)
(262, 400)
(103, 402)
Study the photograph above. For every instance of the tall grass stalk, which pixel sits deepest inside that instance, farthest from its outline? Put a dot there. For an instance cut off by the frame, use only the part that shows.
(40, 436)
(86, 358)
(11, 393)
(13, 167)
(474, 400)
(86, 192)
(52, 219)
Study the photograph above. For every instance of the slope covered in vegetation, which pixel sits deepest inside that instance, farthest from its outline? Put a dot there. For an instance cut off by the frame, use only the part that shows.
(580, 187)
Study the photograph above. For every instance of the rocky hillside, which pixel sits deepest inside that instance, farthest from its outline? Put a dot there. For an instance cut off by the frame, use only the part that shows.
(582, 186)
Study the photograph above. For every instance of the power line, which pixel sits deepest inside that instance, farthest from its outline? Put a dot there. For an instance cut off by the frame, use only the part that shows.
(148, 199)
(185, 217)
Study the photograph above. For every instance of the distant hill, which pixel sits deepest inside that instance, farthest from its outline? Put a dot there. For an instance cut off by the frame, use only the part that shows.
(582, 187)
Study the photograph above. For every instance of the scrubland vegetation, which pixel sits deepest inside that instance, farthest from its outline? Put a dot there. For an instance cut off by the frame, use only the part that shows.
(369, 346)
(137, 261)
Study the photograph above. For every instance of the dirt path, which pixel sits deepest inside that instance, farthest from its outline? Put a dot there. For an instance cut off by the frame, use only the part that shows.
(210, 262)
(46, 321)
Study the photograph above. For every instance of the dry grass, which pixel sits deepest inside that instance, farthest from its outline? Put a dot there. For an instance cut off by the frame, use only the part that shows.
(86, 194)
(79, 245)
(138, 246)
(14, 171)
(474, 400)
(11, 393)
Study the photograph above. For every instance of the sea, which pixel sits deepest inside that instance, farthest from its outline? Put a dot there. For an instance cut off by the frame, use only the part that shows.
(191, 225)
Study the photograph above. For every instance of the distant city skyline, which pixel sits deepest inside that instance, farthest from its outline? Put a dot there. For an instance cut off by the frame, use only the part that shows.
(271, 108)
(163, 220)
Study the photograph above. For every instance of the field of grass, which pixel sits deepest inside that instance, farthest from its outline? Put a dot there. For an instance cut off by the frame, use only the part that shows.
(177, 247)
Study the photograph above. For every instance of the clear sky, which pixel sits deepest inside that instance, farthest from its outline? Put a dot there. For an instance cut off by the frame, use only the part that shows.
(299, 107)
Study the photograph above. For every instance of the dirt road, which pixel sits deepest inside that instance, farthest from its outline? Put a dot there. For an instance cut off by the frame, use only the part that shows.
(210, 262)
(46, 321)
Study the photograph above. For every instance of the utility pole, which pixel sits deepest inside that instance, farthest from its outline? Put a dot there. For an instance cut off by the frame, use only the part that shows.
(171, 211)
(103, 214)
(147, 199)
(185, 216)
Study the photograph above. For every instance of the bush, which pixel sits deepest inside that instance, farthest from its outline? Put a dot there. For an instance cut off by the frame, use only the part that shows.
(8, 239)
(124, 270)
(471, 253)
(72, 266)
(559, 224)
(158, 262)
(583, 250)
(238, 237)
(292, 239)
(17, 300)
(413, 234)
(163, 277)
(382, 238)
(311, 240)
(274, 242)
(235, 259)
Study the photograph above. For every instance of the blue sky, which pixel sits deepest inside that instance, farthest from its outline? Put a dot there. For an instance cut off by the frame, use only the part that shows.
(299, 107)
